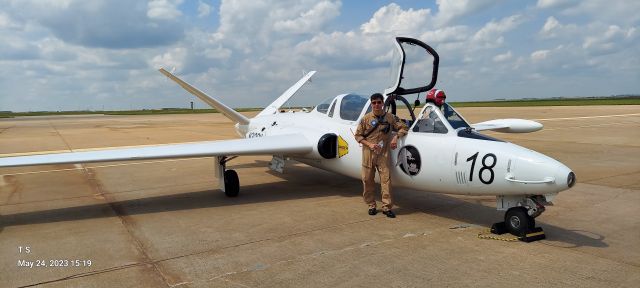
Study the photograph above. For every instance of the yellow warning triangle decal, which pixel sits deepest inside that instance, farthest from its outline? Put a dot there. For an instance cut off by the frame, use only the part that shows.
(343, 147)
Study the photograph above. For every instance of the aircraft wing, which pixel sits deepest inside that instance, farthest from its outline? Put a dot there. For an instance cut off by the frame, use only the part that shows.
(269, 145)
(508, 126)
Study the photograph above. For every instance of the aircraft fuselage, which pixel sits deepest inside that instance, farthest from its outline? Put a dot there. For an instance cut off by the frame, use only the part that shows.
(441, 163)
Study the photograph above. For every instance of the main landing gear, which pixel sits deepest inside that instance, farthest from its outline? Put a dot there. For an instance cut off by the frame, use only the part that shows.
(228, 179)
(519, 220)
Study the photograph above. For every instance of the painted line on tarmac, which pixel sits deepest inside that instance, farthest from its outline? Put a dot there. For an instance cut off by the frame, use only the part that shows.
(592, 126)
(100, 166)
(587, 117)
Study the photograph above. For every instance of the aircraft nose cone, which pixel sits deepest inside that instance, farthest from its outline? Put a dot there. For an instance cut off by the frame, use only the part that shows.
(539, 174)
(571, 179)
(565, 178)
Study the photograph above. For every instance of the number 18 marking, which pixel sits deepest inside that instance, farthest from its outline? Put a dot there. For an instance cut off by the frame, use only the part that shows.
(484, 167)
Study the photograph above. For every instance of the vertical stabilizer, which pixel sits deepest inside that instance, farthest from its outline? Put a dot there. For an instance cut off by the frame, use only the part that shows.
(275, 105)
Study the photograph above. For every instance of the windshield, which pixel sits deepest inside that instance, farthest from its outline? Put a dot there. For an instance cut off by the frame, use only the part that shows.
(453, 117)
(430, 122)
(324, 106)
(351, 106)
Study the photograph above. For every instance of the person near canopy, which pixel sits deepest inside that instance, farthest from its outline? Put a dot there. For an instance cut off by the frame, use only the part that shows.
(378, 132)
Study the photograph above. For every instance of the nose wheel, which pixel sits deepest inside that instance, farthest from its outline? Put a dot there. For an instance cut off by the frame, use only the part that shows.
(518, 222)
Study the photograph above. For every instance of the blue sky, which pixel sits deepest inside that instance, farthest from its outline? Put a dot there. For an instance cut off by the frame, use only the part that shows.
(103, 54)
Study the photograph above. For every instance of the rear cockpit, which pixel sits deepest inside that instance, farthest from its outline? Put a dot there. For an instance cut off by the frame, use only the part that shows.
(345, 107)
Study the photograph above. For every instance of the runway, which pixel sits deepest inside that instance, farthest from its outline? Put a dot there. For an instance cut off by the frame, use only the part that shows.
(165, 224)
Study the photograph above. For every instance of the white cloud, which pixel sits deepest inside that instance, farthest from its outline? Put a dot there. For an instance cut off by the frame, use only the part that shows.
(256, 25)
(219, 53)
(554, 3)
(599, 10)
(55, 50)
(491, 34)
(450, 34)
(540, 55)
(610, 40)
(163, 9)
(350, 50)
(310, 21)
(78, 54)
(93, 24)
(450, 10)
(48, 4)
(371, 45)
(6, 22)
(392, 18)
(550, 26)
(171, 59)
(204, 9)
(502, 57)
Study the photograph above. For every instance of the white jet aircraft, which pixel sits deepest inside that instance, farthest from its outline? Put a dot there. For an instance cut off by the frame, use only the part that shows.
(442, 152)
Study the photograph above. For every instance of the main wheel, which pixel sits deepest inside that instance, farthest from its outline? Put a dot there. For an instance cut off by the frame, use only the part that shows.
(231, 183)
(518, 222)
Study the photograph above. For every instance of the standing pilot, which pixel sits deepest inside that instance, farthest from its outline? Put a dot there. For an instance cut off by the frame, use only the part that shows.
(375, 133)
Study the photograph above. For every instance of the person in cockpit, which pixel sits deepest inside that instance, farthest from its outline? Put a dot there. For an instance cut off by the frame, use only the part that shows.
(375, 134)
(436, 96)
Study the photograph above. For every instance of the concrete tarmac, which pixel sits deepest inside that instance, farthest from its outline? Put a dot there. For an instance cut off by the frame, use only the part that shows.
(164, 223)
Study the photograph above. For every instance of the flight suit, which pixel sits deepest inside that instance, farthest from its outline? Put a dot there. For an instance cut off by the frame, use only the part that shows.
(372, 161)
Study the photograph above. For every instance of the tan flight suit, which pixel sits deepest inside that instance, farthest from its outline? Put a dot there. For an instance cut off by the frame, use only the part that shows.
(372, 161)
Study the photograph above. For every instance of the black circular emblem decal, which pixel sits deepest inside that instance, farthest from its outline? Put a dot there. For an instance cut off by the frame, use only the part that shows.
(409, 159)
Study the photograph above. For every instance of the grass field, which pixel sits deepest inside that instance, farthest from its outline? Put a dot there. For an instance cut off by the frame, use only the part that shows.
(633, 100)
(552, 102)
(123, 112)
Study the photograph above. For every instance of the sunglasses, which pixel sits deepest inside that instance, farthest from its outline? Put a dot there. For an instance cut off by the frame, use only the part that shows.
(376, 102)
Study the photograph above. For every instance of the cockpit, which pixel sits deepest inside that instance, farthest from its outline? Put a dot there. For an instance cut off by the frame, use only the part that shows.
(346, 107)
(430, 121)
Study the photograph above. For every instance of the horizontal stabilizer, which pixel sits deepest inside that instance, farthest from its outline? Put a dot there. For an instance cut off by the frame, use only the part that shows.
(508, 126)
(290, 144)
(273, 107)
(224, 109)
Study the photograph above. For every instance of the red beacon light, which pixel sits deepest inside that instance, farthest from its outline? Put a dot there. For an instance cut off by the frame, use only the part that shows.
(436, 96)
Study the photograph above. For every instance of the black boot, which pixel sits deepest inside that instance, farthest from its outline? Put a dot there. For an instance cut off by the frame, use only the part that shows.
(373, 211)
(389, 214)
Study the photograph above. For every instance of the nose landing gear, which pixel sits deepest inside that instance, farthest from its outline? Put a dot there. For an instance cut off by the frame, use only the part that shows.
(519, 220)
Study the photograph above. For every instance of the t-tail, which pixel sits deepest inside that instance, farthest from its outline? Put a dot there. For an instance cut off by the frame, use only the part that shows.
(233, 114)
(275, 105)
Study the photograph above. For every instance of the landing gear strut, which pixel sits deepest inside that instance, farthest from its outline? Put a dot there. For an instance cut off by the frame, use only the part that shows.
(228, 179)
(519, 220)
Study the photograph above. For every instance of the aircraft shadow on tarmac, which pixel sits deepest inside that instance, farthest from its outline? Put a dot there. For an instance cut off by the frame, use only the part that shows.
(313, 183)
